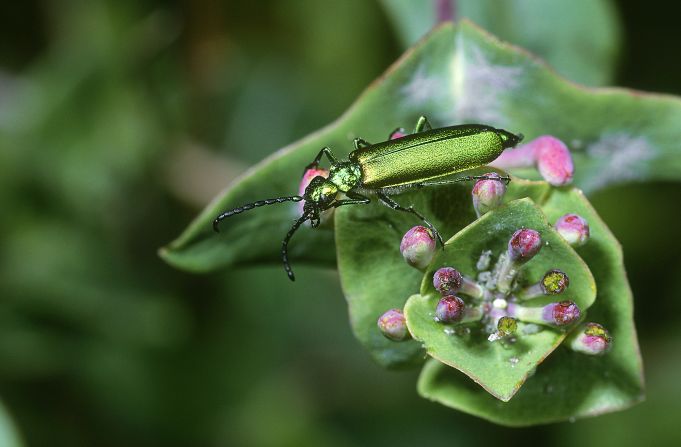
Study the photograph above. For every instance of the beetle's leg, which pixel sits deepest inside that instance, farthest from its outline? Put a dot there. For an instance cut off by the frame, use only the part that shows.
(360, 143)
(353, 199)
(469, 178)
(398, 130)
(422, 124)
(315, 219)
(397, 207)
(284, 245)
(325, 151)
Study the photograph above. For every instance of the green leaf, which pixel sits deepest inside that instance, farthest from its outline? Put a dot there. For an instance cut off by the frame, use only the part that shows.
(579, 39)
(9, 437)
(373, 274)
(499, 368)
(567, 385)
(456, 75)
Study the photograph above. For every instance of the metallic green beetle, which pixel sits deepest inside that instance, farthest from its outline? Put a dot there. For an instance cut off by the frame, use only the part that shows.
(387, 168)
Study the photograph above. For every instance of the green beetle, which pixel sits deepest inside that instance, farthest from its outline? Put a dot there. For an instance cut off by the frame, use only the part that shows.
(387, 168)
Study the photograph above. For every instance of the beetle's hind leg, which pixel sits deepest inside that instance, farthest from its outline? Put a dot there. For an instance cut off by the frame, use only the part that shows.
(468, 178)
(397, 207)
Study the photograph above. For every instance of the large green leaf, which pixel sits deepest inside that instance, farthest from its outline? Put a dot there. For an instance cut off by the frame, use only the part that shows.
(456, 75)
(567, 385)
(373, 274)
(499, 368)
(8, 433)
(578, 38)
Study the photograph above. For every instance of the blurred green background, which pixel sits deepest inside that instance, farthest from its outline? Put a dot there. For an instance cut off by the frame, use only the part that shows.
(119, 120)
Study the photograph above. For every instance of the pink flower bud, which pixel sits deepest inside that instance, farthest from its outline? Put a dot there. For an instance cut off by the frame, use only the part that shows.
(398, 133)
(393, 325)
(554, 314)
(447, 280)
(553, 160)
(488, 194)
(590, 338)
(562, 313)
(574, 229)
(418, 247)
(449, 309)
(524, 244)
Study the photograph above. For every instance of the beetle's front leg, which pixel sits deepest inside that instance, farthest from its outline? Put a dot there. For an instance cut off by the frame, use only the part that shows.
(397, 207)
(315, 219)
(422, 124)
(315, 163)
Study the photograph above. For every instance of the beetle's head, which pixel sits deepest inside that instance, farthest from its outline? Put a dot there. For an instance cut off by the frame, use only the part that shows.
(345, 175)
(319, 194)
(509, 139)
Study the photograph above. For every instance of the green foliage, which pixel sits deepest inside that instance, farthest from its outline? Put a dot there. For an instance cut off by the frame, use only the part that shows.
(453, 74)
(119, 119)
(499, 368)
(579, 38)
(373, 274)
(567, 385)
(457, 75)
(8, 434)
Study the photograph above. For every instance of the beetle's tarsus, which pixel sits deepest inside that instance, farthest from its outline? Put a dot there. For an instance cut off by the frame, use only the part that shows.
(422, 124)
(360, 143)
(437, 235)
(397, 207)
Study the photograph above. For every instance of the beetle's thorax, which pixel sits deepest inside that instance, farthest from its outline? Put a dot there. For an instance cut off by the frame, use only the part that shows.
(345, 175)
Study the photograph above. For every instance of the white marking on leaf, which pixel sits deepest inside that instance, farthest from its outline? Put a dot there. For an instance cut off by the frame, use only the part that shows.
(478, 85)
(422, 87)
(620, 157)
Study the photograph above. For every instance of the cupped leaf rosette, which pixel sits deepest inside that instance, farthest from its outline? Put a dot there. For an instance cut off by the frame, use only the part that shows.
(535, 379)
(500, 368)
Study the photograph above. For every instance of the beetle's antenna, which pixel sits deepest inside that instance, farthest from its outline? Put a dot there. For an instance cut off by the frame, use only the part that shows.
(284, 245)
(250, 206)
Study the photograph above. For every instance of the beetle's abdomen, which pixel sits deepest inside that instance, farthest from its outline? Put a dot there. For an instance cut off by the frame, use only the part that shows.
(430, 154)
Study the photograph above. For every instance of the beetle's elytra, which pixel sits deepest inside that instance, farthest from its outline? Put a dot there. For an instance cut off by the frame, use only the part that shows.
(384, 169)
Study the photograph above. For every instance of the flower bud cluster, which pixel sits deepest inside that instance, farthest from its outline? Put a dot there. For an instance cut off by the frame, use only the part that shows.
(496, 299)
